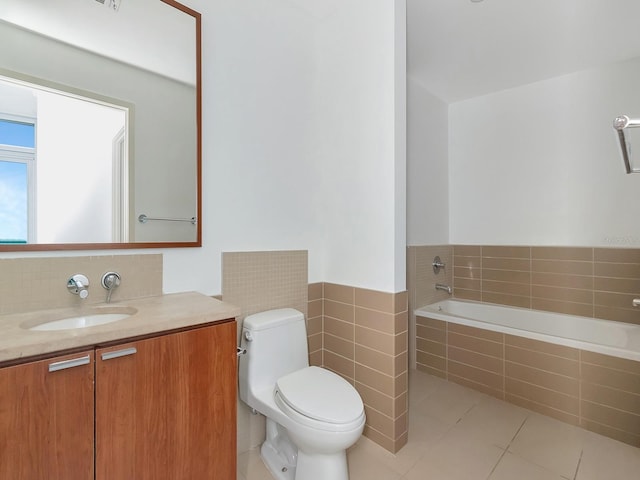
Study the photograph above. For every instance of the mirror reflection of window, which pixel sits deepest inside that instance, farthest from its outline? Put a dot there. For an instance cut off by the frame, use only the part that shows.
(17, 189)
(72, 186)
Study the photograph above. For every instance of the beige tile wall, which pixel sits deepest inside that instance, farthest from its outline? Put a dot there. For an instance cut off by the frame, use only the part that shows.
(543, 377)
(598, 392)
(315, 323)
(259, 281)
(421, 282)
(41, 283)
(591, 282)
(365, 339)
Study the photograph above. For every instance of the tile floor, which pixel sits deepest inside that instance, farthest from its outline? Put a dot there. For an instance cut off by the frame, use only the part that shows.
(459, 434)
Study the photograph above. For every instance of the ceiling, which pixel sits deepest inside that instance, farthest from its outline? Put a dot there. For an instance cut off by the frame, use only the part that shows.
(458, 49)
(146, 33)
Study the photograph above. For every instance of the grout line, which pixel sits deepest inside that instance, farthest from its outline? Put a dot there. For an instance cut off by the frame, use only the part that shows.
(466, 412)
(504, 452)
(575, 476)
(516, 434)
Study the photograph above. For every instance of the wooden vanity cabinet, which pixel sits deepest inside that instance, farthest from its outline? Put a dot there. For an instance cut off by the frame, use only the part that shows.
(165, 409)
(46, 419)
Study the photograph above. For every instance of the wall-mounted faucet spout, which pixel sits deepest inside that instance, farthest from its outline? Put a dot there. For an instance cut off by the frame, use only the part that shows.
(78, 284)
(446, 288)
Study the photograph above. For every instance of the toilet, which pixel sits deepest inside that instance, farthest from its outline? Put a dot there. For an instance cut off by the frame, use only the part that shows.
(313, 415)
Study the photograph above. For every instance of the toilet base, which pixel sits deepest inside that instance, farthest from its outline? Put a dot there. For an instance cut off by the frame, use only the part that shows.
(278, 453)
(285, 461)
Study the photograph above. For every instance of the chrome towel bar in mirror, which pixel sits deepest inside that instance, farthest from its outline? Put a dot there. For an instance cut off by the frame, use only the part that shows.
(142, 218)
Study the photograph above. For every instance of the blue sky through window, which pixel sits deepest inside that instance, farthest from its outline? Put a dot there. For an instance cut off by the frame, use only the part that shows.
(14, 184)
(13, 202)
(17, 133)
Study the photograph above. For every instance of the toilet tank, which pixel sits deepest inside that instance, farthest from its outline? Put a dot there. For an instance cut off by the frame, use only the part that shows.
(276, 344)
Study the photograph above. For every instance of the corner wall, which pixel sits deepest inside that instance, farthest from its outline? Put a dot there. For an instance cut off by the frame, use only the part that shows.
(365, 341)
(427, 167)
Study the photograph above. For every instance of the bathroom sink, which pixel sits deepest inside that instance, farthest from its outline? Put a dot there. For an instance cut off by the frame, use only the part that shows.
(90, 318)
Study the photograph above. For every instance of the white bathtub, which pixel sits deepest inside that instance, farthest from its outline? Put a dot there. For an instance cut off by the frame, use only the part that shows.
(602, 336)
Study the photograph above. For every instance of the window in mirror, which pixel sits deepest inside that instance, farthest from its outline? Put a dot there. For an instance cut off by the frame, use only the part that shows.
(72, 187)
(17, 133)
(14, 213)
(17, 208)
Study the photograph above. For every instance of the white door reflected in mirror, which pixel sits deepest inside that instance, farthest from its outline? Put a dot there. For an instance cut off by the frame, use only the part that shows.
(70, 160)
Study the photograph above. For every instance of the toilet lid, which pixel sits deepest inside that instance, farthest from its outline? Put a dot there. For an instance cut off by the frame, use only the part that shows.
(320, 394)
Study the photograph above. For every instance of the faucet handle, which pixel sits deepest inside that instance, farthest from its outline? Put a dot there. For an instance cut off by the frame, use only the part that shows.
(110, 280)
(78, 284)
(437, 264)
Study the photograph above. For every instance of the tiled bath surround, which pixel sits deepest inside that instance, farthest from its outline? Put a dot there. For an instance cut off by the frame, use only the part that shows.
(39, 283)
(421, 282)
(598, 392)
(590, 282)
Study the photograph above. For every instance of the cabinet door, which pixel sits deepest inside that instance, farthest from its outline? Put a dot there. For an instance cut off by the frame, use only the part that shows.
(166, 407)
(46, 419)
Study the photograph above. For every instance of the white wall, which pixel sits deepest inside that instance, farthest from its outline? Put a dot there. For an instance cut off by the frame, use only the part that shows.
(300, 152)
(539, 164)
(299, 140)
(427, 167)
(357, 131)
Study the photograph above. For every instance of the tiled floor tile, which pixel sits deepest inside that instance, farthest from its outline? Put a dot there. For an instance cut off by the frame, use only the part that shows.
(512, 467)
(425, 429)
(368, 461)
(399, 463)
(458, 456)
(432, 472)
(603, 457)
(493, 421)
(448, 403)
(251, 467)
(422, 384)
(550, 444)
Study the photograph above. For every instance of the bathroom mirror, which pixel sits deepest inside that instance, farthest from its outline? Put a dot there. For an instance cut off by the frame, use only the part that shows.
(100, 125)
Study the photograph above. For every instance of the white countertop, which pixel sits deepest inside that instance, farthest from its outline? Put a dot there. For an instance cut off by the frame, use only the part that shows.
(153, 315)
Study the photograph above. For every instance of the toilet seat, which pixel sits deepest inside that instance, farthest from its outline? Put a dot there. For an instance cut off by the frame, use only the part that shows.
(319, 398)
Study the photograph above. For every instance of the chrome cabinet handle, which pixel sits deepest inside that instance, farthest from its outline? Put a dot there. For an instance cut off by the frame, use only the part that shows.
(119, 353)
(74, 362)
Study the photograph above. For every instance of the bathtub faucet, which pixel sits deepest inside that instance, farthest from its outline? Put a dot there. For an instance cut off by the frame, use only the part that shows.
(446, 288)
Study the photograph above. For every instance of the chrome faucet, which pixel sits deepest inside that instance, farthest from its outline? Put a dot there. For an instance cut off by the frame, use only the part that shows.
(446, 288)
(110, 281)
(78, 284)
